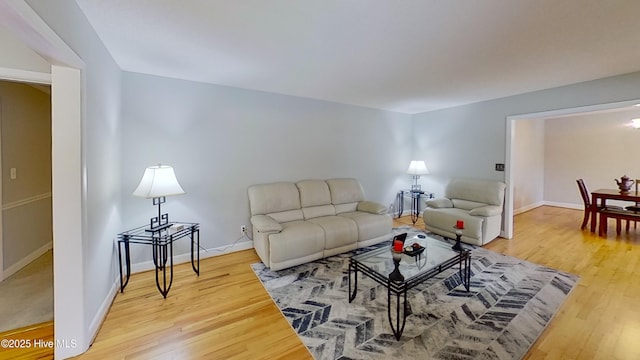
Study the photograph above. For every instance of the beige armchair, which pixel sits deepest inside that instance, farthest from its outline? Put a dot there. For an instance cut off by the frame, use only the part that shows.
(478, 203)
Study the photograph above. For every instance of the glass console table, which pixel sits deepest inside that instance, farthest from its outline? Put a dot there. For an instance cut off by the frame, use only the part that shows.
(161, 243)
(415, 196)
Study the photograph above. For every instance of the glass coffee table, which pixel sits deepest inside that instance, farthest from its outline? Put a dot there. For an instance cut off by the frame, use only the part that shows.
(400, 272)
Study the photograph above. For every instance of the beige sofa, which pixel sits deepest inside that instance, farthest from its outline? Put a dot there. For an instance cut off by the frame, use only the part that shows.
(295, 223)
(476, 202)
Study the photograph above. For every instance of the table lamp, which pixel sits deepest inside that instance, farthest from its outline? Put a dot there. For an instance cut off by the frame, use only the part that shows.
(158, 182)
(417, 168)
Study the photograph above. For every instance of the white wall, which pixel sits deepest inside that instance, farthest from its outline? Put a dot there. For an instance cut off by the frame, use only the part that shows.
(100, 173)
(220, 140)
(598, 148)
(528, 164)
(467, 141)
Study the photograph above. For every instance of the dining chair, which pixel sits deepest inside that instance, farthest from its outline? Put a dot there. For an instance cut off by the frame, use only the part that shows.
(587, 205)
(634, 208)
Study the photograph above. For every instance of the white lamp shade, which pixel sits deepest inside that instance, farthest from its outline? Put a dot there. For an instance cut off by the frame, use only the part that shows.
(417, 167)
(158, 181)
(635, 123)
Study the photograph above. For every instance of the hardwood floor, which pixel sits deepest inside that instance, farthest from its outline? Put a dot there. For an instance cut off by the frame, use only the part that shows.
(226, 314)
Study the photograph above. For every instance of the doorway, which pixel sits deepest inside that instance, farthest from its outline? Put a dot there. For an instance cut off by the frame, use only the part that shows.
(511, 178)
(26, 239)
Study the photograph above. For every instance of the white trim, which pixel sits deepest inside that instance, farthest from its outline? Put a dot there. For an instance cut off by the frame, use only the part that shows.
(69, 222)
(25, 76)
(26, 260)
(22, 202)
(205, 253)
(103, 310)
(68, 212)
(509, 213)
(2, 276)
(565, 205)
(19, 18)
(528, 207)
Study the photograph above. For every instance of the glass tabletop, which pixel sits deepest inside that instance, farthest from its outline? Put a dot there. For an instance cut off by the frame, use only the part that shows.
(381, 260)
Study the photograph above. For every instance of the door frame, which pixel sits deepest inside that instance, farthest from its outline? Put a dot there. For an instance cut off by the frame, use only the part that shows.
(68, 178)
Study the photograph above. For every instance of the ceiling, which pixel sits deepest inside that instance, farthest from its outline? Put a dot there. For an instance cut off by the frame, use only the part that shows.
(407, 56)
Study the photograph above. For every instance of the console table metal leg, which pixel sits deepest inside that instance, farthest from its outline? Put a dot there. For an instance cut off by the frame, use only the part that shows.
(195, 236)
(398, 328)
(415, 207)
(353, 269)
(164, 251)
(124, 280)
(400, 202)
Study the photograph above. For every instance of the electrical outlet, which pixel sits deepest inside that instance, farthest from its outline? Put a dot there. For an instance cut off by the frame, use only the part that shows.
(243, 229)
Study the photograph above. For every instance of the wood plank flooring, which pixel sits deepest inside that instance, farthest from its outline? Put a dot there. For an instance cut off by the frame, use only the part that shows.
(226, 314)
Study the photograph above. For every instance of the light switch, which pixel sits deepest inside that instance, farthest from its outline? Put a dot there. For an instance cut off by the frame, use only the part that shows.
(13, 173)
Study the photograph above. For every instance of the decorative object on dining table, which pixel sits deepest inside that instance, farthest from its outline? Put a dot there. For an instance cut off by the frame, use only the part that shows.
(625, 183)
(459, 227)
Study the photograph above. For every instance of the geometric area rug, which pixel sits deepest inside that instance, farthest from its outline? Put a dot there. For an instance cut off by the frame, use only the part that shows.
(510, 303)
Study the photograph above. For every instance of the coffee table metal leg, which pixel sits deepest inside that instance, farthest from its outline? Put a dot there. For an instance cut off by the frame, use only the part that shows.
(398, 328)
(353, 269)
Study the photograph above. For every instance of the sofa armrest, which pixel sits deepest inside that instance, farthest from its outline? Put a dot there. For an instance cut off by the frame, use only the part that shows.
(489, 210)
(372, 207)
(439, 203)
(265, 224)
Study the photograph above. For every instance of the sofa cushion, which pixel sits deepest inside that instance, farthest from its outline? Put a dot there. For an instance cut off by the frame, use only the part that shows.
(370, 225)
(348, 207)
(313, 193)
(466, 204)
(372, 207)
(286, 216)
(296, 240)
(273, 198)
(486, 211)
(318, 211)
(339, 231)
(486, 192)
(265, 224)
(439, 203)
(345, 191)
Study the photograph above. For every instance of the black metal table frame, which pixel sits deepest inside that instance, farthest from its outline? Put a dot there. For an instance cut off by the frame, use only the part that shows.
(415, 202)
(162, 250)
(400, 288)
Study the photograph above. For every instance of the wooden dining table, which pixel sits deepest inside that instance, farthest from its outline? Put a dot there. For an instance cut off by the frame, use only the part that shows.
(599, 200)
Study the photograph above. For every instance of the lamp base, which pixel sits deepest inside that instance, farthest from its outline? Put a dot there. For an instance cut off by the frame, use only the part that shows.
(158, 228)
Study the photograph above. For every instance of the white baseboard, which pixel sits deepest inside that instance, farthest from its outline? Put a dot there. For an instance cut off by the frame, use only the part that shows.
(565, 205)
(204, 253)
(528, 207)
(25, 260)
(102, 312)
